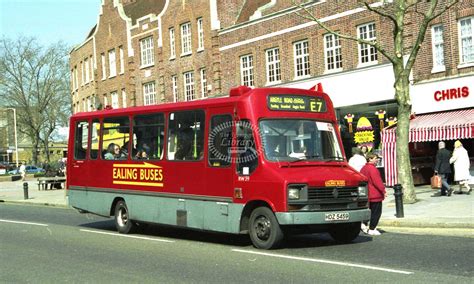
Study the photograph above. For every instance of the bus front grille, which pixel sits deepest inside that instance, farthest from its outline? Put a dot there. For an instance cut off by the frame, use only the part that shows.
(332, 193)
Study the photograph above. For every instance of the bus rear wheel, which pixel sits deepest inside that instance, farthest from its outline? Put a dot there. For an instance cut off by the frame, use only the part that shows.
(265, 232)
(122, 220)
(345, 233)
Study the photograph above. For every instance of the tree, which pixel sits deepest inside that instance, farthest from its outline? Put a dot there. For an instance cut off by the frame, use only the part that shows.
(35, 81)
(402, 57)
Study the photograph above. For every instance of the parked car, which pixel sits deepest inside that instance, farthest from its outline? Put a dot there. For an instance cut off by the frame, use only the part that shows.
(29, 170)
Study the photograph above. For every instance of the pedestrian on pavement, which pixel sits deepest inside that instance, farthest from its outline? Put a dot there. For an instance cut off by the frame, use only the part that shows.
(22, 171)
(377, 193)
(357, 161)
(461, 162)
(443, 168)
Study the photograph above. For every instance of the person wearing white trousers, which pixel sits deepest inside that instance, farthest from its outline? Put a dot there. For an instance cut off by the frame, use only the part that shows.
(460, 159)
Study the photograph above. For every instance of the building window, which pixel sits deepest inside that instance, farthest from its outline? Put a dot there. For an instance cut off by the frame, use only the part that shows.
(246, 70)
(172, 44)
(149, 94)
(301, 53)
(82, 73)
(86, 65)
(273, 65)
(189, 86)
(437, 43)
(89, 104)
(146, 51)
(174, 80)
(112, 64)
(92, 68)
(200, 34)
(122, 64)
(333, 52)
(73, 81)
(186, 47)
(115, 100)
(75, 78)
(106, 101)
(104, 72)
(124, 98)
(367, 53)
(466, 35)
(203, 83)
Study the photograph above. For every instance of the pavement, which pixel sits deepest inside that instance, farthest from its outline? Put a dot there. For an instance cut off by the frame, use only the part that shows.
(456, 211)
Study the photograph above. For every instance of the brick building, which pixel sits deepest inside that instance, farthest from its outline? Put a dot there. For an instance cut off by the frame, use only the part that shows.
(148, 52)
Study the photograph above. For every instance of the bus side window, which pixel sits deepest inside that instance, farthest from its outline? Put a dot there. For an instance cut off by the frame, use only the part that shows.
(148, 136)
(220, 141)
(186, 136)
(115, 134)
(247, 155)
(94, 147)
(81, 140)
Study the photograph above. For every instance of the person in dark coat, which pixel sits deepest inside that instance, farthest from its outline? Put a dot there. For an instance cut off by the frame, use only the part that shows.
(377, 193)
(443, 168)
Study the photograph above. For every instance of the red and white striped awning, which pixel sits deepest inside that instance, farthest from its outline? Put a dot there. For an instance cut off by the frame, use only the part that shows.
(450, 125)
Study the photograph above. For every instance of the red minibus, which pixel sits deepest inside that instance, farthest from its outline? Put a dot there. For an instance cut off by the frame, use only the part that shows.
(264, 162)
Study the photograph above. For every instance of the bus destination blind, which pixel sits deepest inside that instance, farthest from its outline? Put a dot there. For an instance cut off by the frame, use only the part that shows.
(296, 103)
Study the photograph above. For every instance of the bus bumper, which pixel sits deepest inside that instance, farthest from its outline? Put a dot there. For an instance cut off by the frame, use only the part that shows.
(308, 218)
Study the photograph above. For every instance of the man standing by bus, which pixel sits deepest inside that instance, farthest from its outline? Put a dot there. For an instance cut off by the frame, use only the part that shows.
(443, 168)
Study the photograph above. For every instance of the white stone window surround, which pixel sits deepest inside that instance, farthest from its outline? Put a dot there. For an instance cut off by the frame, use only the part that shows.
(200, 30)
(246, 70)
(112, 63)
(437, 47)
(466, 42)
(186, 43)
(301, 59)
(147, 56)
(149, 93)
(174, 80)
(172, 44)
(189, 89)
(332, 53)
(273, 68)
(367, 54)
(203, 74)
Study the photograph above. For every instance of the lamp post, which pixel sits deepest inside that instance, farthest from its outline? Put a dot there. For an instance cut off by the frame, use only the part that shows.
(14, 130)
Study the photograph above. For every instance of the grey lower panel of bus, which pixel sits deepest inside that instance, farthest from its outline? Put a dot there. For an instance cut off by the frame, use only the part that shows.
(308, 218)
(198, 214)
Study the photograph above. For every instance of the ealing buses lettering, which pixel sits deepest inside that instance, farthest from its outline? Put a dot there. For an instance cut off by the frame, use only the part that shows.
(296, 103)
(144, 175)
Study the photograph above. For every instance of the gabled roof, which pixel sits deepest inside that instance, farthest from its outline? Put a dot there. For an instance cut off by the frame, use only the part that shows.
(138, 9)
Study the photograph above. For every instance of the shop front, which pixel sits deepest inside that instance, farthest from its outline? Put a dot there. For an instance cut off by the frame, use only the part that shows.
(442, 111)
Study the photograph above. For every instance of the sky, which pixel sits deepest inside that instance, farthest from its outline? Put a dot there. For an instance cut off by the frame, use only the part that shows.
(48, 20)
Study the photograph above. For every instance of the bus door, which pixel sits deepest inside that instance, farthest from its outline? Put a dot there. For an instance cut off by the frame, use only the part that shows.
(220, 169)
(78, 170)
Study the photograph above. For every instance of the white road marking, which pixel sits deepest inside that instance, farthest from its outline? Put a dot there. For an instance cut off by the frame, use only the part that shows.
(23, 223)
(126, 236)
(324, 261)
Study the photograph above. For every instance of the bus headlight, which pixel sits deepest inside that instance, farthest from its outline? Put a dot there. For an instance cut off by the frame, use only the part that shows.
(362, 190)
(297, 191)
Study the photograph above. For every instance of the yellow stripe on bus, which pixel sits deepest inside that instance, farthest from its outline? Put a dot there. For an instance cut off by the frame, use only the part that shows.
(157, 184)
(144, 166)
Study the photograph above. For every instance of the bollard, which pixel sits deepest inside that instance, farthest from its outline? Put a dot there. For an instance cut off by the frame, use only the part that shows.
(25, 190)
(398, 193)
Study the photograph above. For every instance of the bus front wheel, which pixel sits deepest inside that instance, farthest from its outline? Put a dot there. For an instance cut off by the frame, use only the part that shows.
(122, 221)
(265, 232)
(345, 233)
